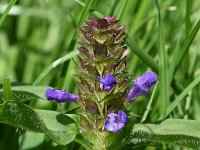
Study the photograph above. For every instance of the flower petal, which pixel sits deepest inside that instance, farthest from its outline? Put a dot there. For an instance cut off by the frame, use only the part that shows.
(117, 128)
(142, 85)
(112, 115)
(108, 82)
(123, 116)
(116, 122)
(50, 94)
(60, 95)
(146, 81)
(108, 125)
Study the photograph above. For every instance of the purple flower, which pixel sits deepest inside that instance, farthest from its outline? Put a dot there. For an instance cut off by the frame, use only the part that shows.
(108, 82)
(116, 121)
(142, 85)
(60, 95)
(50, 94)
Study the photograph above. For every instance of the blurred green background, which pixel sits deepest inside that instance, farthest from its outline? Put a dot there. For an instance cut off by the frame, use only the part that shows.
(37, 33)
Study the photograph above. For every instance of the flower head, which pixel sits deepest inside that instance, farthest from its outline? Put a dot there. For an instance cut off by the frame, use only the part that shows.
(116, 121)
(60, 95)
(142, 85)
(108, 82)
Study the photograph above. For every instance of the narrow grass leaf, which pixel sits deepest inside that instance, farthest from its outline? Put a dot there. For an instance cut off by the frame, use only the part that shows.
(5, 13)
(120, 9)
(187, 18)
(187, 44)
(163, 100)
(113, 8)
(149, 104)
(85, 11)
(140, 15)
(80, 2)
(53, 65)
(7, 93)
(179, 98)
(173, 63)
(97, 13)
(148, 60)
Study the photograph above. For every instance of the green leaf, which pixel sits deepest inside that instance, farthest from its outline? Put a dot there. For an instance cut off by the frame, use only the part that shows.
(146, 58)
(149, 104)
(170, 131)
(30, 140)
(7, 93)
(58, 127)
(83, 141)
(5, 13)
(62, 128)
(181, 96)
(180, 52)
(163, 67)
(85, 11)
(56, 63)
(187, 44)
(26, 93)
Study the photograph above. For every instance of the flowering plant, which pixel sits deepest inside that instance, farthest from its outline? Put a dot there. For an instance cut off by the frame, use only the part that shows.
(101, 114)
(102, 81)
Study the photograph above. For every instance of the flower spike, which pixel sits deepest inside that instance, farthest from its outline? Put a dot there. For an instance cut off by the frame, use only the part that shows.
(102, 81)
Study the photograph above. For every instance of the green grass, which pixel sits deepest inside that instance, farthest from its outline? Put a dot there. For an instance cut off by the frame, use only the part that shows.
(38, 40)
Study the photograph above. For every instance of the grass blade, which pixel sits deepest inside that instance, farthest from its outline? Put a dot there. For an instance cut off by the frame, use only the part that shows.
(7, 89)
(149, 104)
(53, 65)
(173, 62)
(5, 13)
(162, 65)
(179, 98)
(120, 9)
(187, 18)
(179, 53)
(95, 12)
(148, 60)
(187, 44)
(85, 11)
(139, 15)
